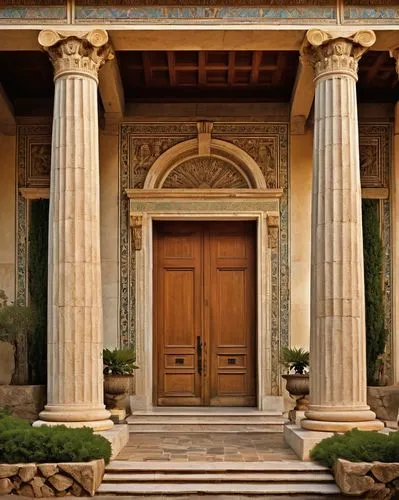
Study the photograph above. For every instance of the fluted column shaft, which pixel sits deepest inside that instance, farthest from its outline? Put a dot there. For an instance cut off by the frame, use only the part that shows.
(75, 322)
(337, 345)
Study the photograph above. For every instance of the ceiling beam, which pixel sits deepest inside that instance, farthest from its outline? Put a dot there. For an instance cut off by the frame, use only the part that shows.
(134, 37)
(172, 68)
(111, 92)
(231, 69)
(302, 97)
(256, 60)
(201, 69)
(7, 115)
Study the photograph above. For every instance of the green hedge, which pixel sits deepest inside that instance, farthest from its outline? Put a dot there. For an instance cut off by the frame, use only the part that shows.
(358, 446)
(21, 443)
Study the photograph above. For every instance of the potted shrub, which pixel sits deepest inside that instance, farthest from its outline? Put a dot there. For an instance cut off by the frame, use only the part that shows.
(296, 360)
(119, 366)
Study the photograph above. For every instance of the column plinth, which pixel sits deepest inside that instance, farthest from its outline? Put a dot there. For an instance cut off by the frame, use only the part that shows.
(338, 388)
(75, 323)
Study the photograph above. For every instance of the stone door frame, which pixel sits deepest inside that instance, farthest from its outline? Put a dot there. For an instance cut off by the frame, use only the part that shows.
(142, 240)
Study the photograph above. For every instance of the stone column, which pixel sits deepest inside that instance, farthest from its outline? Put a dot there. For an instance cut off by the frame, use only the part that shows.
(75, 322)
(338, 399)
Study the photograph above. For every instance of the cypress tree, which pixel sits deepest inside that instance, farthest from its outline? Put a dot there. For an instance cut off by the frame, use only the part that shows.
(376, 334)
(38, 251)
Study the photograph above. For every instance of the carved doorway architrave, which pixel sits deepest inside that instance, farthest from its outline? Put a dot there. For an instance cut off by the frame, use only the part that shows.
(155, 209)
(204, 179)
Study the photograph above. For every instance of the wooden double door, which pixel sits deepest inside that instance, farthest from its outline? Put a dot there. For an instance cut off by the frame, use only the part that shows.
(204, 313)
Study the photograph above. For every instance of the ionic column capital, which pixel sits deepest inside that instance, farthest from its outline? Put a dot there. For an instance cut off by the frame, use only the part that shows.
(77, 53)
(333, 55)
(395, 54)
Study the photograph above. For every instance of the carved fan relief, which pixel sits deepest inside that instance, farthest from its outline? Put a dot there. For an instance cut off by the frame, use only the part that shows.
(205, 173)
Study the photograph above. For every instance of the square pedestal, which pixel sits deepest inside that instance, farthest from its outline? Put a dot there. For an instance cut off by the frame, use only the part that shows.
(295, 417)
(118, 436)
(117, 416)
(303, 441)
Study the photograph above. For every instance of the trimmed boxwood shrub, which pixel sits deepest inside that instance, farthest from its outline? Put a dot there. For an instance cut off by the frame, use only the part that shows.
(357, 446)
(19, 442)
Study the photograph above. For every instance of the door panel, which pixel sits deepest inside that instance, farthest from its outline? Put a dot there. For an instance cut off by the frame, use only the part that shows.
(232, 315)
(178, 297)
(204, 313)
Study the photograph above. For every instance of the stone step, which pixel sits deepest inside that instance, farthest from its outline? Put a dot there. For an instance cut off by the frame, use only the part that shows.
(125, 466)
(264, 477)
(208, 419)
(178, 411)
(207, 428)
(192, 488)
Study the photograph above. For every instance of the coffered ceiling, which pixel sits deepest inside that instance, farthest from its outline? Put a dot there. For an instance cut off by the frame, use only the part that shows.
(231, 76)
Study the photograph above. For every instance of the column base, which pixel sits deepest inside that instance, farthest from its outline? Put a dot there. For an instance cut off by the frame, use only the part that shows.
(340, 419)
(326, 426)
(75, 416)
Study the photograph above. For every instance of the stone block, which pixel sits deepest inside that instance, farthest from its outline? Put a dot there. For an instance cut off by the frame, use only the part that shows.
(26, 490)
(6, 486)
(7, 362)
(60, 482)
(8, 470)
(384, 401)
(88, 474)
(303, 441)
(37, 484)
(27, 472)
(47, 491)
(379, 491)
(118, 436)
(351, 477)
(48, 469)
(385, 472)
(24, 401)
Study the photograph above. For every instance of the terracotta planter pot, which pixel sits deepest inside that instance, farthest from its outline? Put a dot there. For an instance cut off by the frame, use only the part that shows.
(117, 384)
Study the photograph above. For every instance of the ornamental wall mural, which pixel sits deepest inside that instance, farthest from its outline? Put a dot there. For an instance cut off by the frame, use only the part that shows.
(33, 170)
(267, 143)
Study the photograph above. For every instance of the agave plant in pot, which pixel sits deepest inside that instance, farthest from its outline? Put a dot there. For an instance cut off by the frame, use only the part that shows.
(296, 360)
(119, 366)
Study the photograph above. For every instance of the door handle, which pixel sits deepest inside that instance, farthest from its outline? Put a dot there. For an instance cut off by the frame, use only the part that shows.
(199, 355)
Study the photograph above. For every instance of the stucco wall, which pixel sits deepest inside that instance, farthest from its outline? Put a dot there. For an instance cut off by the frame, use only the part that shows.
(109, 236)
(7, 215)
(300, 208)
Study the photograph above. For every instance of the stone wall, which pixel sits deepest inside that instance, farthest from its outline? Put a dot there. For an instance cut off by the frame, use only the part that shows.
(367, 479)
(49, 480)
(23, 401)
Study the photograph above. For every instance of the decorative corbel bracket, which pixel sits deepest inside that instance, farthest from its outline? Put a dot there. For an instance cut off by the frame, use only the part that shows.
(136, 223)
(204, 138)
(273, 225)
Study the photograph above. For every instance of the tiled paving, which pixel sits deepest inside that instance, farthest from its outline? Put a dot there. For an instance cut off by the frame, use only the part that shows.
(206, 447)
